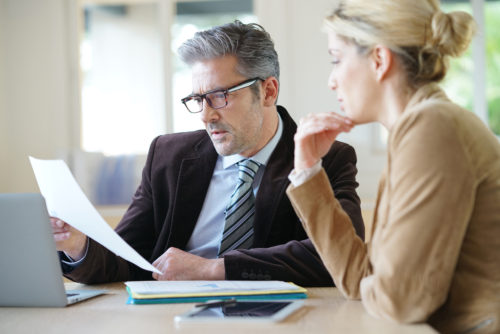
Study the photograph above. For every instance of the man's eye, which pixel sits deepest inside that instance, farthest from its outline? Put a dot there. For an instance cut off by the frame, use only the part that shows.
(217, 95)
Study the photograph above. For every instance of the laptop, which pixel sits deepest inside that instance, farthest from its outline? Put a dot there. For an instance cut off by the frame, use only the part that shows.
(30, 270)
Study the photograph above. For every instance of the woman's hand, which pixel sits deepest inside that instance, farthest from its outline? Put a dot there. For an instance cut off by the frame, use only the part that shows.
(315, 135)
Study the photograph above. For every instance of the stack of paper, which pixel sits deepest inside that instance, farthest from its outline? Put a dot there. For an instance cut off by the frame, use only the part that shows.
(156, 292)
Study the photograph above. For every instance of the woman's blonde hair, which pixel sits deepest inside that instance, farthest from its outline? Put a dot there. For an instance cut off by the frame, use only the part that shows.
(416, 30)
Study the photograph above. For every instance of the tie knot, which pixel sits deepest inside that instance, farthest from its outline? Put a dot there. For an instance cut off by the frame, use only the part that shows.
(247, 169)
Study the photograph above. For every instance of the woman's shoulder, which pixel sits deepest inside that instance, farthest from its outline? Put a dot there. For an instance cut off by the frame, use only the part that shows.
(434, 116)
(438, 128)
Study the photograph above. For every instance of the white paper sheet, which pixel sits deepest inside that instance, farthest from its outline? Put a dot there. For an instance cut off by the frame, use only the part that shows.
(66, 200)
(173, 287)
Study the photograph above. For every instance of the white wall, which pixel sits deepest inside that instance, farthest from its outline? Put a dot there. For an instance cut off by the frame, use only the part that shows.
(3, 137)
(35, 93)
(295, 26)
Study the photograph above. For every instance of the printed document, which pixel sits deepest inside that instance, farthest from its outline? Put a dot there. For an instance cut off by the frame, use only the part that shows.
(66, 201)
(203, 287)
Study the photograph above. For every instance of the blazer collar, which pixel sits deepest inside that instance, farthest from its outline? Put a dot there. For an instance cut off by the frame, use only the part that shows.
(274, 181)
(196, 172)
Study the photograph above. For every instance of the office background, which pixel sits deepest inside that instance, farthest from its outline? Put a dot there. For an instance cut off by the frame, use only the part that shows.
(93, 81)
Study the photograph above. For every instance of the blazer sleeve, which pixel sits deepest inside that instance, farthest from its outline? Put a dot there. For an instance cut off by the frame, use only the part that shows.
(329, 226)
(101, 265)
(430, 194)
(297, 260)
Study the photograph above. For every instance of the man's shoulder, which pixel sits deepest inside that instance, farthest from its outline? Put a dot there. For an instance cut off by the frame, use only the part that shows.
(341, 151)
(182, 137)
(180, 145)
(181, 140)
(340, 146)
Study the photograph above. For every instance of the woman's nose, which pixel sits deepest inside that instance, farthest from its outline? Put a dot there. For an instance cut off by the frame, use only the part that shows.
(332, 83)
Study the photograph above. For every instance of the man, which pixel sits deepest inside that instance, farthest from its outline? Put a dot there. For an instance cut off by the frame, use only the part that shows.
(212, 204)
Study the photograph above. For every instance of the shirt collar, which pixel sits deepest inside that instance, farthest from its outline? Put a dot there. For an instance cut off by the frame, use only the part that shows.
(263, 155)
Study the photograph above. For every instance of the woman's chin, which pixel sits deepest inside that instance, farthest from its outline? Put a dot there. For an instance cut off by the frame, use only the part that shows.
(353, 117)
(356, 118)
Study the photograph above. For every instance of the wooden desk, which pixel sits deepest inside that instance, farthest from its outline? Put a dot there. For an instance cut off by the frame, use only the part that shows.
(325, 311)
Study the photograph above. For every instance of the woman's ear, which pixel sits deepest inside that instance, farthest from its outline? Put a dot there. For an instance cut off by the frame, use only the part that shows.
(270, 88)
(382, 61)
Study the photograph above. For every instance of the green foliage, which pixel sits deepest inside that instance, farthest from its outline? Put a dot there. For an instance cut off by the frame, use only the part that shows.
(459, 81)
(492, 27)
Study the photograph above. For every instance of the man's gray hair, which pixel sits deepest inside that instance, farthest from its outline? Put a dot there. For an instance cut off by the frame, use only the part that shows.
(250, 43)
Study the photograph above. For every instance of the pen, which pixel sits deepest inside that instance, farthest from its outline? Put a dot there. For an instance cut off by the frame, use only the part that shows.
(216, 303)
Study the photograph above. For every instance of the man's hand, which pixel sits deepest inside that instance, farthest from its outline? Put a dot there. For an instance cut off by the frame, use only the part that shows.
(68, 239)
(176, 264)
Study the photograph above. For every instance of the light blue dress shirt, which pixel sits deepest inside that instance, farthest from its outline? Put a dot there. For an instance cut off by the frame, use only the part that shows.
(207, 234)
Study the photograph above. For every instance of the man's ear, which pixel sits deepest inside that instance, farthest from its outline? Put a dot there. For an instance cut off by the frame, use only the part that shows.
(270, 88)
(382, 61)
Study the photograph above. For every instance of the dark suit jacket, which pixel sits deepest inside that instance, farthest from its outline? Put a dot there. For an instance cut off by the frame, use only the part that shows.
(166, 206)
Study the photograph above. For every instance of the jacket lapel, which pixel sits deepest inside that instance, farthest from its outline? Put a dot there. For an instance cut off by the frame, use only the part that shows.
(274, 181)
(195, 173)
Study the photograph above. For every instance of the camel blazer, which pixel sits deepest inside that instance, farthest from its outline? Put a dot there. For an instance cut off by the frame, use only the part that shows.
(434, 253)
(166, 206)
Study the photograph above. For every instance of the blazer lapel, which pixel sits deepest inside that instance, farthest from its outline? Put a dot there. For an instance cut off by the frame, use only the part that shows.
(194, 178)
(274, 181)
(195, 175)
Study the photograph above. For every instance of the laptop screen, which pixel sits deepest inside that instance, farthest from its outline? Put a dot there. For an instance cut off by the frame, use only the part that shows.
(30, 272)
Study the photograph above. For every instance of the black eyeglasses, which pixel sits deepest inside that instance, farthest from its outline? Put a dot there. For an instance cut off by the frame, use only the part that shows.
(216, 98)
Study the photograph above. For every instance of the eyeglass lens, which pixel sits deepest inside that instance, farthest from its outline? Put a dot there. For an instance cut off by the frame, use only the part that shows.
(215, 100)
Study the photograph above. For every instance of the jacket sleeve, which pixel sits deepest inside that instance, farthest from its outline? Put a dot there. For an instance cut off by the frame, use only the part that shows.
(101, 265)
(429, 196)
(332, 233)
(297, 260)
(432, 194)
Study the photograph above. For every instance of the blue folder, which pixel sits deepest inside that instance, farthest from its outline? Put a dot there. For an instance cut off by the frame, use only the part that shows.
(171, 300)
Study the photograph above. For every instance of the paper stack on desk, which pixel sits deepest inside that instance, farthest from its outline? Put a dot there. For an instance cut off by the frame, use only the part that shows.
(159, 292)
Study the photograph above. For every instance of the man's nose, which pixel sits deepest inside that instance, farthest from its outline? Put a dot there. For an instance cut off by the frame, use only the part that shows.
(208, 114)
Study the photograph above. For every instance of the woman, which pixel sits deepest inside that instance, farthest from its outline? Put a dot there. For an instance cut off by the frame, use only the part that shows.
(434, 253)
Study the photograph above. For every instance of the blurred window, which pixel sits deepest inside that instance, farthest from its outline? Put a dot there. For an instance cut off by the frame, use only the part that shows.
(190, 18)
(492, 33)
(465, 72)
(125, 67)
(122, 78)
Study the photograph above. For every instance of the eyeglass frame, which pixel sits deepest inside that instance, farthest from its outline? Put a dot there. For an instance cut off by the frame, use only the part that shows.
(241, 85)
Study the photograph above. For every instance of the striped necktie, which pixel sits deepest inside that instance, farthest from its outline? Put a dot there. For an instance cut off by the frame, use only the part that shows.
(239, 214)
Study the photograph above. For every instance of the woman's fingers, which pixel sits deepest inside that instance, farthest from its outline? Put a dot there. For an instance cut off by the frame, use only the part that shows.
(314, 123)
(315, 135)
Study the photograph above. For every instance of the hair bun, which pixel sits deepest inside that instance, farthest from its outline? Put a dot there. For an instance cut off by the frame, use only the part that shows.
(451, 32)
